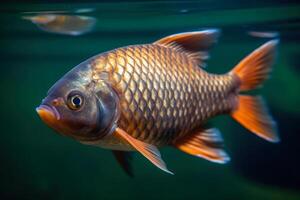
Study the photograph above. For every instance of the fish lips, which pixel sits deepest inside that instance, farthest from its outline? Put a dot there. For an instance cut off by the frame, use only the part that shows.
(52, 118)
(48, 114)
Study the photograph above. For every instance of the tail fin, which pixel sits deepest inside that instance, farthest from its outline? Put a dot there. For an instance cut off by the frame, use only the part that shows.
(253, 115)
(255, 68)
(251, 111)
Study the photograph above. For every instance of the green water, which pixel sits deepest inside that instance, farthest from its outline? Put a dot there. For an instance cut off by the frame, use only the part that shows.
(37, 163)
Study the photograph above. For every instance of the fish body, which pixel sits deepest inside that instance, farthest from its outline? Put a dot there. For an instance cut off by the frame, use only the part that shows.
(142, 97)
(164, 94)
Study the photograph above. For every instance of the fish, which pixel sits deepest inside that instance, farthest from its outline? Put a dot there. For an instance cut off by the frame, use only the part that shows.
(140, 98)
(65, 24)
(263, 34)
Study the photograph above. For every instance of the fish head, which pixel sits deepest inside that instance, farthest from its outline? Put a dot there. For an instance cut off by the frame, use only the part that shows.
(80, 108)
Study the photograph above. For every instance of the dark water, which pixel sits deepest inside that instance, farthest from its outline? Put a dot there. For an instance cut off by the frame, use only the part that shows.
(36, 163)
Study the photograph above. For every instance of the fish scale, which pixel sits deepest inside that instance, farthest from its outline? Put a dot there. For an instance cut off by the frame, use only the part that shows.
(165, 94)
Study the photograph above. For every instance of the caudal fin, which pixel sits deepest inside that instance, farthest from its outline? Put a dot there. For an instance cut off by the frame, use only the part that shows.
(253, 115)
(251, 112)
(255, 68)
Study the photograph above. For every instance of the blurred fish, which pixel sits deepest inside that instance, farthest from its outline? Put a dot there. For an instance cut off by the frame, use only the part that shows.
(141, 97)
(262, 34)
(63, 24)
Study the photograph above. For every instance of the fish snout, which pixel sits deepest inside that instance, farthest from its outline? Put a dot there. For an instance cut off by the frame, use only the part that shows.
(48, 114)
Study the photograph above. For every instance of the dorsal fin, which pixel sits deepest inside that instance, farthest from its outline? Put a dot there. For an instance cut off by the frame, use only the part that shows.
(196, 44)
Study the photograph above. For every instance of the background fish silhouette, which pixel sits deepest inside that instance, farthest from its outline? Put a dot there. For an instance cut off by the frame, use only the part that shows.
(63, 23)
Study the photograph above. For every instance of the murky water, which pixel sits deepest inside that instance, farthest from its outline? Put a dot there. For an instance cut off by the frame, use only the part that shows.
(36, 163)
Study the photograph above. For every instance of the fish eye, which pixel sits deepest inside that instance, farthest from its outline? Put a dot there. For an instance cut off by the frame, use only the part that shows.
(75, 101)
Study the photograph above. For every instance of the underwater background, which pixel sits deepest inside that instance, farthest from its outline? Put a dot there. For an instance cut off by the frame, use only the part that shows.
(37, 163)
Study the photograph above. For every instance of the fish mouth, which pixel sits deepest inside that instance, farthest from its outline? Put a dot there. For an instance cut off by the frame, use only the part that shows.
(48, 113)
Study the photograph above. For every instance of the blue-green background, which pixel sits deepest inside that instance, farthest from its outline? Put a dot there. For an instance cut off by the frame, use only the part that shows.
(36, 163)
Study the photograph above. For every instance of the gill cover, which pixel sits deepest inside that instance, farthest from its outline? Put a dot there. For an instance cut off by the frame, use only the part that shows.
(108, 105)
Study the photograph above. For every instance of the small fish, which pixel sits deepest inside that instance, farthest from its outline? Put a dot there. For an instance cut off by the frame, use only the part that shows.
(63, 24)
(143, 97)
(263, 34)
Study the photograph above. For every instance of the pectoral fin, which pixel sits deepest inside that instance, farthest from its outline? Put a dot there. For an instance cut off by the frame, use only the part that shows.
(147, 150)
(124, 159)
(207, 144)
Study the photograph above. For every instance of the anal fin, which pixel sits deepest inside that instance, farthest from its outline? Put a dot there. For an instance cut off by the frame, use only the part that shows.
(147, 150)
(207, 144)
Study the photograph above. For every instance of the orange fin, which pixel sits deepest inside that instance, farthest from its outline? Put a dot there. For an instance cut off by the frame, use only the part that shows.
(147, 150)
(255, 68)
(207, 144)
(253, 115)
(124, 159)
(196, 44)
